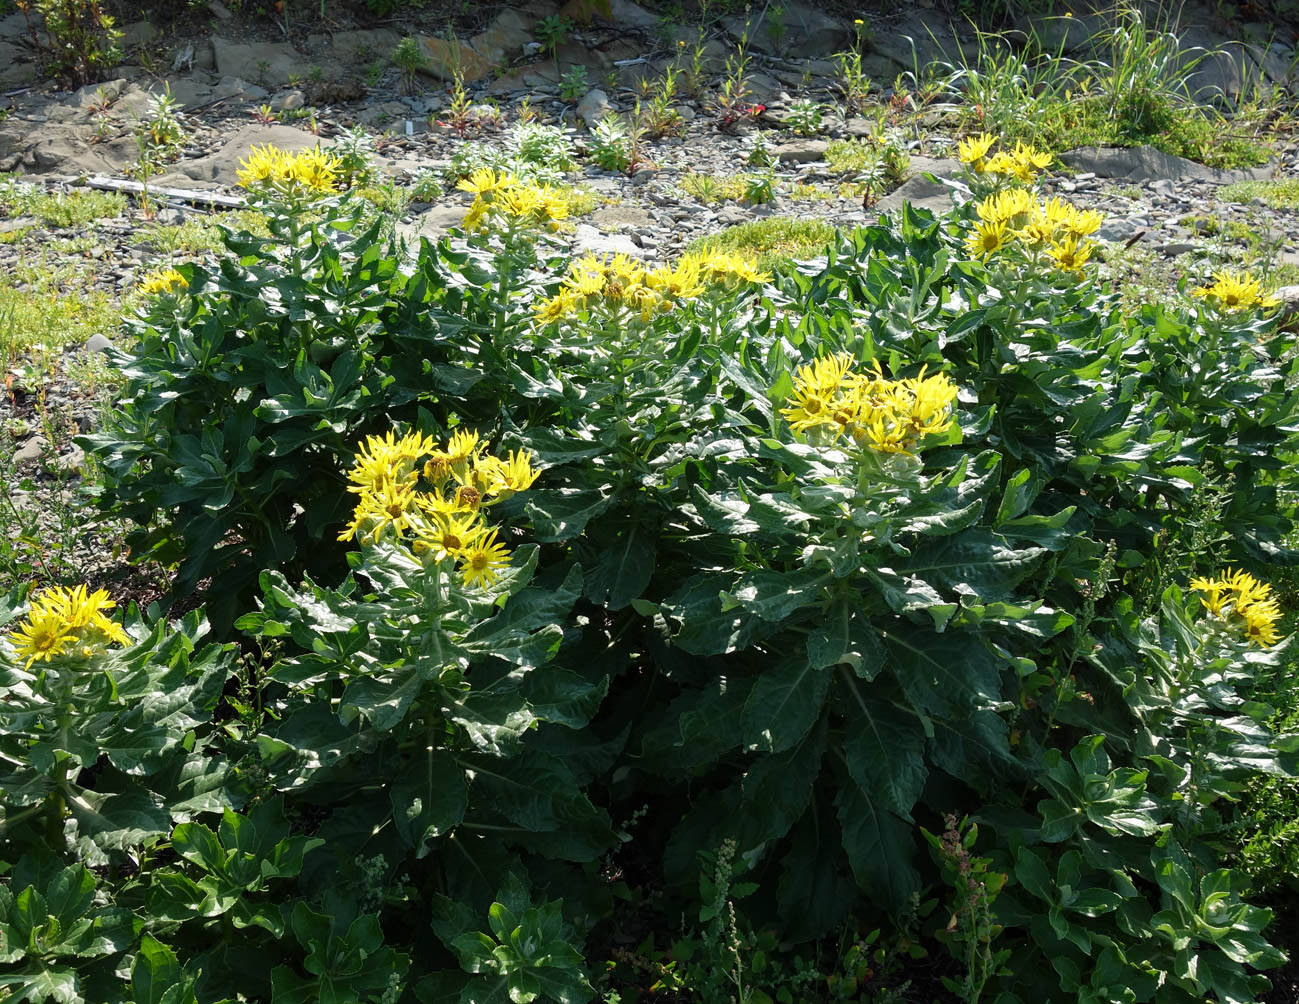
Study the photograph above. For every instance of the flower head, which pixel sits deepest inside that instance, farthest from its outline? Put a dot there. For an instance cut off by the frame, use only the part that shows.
(65, 621)
(481, 561)
(163, 282)
(1234, 291)
(1240, 600)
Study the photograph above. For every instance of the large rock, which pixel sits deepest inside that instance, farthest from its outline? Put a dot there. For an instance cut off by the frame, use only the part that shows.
(622, 13)
(801, 151)
(358, 49)
(800, 30)
(1145, 163)
(62, 149)
(267, 63)
(432, 223)
(587, 239)
(593, 107)
(503, 39)
(919, 190)
(16, 66)
(223, 165)
(916, 40)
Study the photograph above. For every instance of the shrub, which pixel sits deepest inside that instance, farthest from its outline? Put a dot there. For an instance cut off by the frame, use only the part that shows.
(80, 41)
(925, 574)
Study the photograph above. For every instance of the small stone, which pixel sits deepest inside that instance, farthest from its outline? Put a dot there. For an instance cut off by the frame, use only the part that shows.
(72, 462)
(593, 107)
(98, 343)
(801, 151)
(31, 450)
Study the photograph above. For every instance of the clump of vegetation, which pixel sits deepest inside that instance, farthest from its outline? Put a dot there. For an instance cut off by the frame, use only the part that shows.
(74, 208)
(76, 41)
(771, 242)
(1282, 193)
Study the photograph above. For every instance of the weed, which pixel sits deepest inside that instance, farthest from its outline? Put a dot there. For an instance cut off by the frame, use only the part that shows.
(854, 85)
(573, 84)
(771, 241)
(804, 118)
(408, 57)
(61, 209)
(1281, 194)
(610, 143)
(161, 129)
(80, 41)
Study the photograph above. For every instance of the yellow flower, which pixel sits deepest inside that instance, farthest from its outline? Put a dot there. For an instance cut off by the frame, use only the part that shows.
(309, 171)
(1037, 234)
(450, 534)
(1005, 207)
(972, 150)
(1071, 254)
(1235, 291)
(559, 306)
(485, 181)
(43, 635)
(163, 281)
(513, 474)
(1238, 598)
(63, 619)
(390, 507)
(1030, 157)
(480, 562)
(385, 459)
(986, 239)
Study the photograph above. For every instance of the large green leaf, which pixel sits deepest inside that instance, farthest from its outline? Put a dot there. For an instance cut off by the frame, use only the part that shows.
(784, 704)
(884, 752)
(880, 847)
(429, 799)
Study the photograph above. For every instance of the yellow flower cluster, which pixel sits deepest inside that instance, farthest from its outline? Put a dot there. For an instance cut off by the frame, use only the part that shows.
(1051, 226)
(831, 401)
(619, 281)
(1239, 599)
(1235, 291)
(1022, 163)
(435, 497)
(166, 280)
(308, 172)
(65, 621)
(506, 196)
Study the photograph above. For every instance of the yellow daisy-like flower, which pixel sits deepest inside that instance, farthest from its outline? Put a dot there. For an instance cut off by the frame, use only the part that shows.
(390, 507)
(1005, 207)
(485, 181)
(513, 474)
(1084, 222)
(1237, 598)
(265, 165)
(43, 635)
(480, 562)
(315, 171)
(450, 535)
(561, 305)
(1235, 291)
(1071, 254)
(63, 620)
(987, 238)
(973, 149)
(1030, 157)
(163, 281)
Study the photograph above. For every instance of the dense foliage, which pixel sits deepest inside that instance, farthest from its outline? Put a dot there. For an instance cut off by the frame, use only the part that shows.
(910, 577)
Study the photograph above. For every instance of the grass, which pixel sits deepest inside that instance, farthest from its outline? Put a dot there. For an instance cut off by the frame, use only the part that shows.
(1138, 90)
(713, 188)
(45, 308)
(1283, 194)
(59, 209)
(771, 241)
(199, 235)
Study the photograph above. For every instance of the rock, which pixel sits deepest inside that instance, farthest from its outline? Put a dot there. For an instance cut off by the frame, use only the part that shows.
(478, 56)
(16, 68)
(1145, 163)
(360, 48)
(220, 10)
(223, 165)
(915, 40)
(288, 100)
(1173, 248)
(800, 29)
(268, 63)
(98, 343)
(432, 223)
(32, 450)
(1118, 228)
(13, 27)
(593, 107)
(192, 89)
(622, 14)
(72, 462)
(62, 149)
(1289, 297)
(921, 193)
(590, 240)
(1164, 188)
(228, 88)
(137, 34)
(620, 218)
(801, 151)
(1064, 34)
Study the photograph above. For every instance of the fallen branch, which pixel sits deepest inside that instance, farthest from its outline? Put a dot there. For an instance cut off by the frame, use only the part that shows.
(156, 191)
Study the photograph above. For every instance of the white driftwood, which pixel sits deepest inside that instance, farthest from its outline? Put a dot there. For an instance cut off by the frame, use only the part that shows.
(158, 192)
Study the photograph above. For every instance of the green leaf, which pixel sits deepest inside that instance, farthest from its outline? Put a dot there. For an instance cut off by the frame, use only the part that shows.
(784, 704)
(880, 847)
(884, 753)
(428, 800)
(625, 563)
(846, 636)
(948, 674)
(154, 972)
(773, 596)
